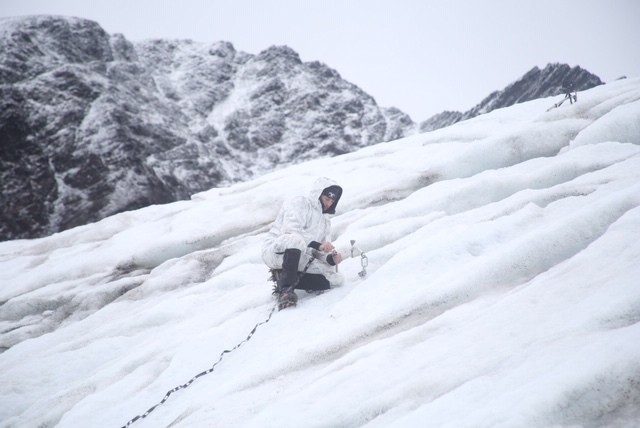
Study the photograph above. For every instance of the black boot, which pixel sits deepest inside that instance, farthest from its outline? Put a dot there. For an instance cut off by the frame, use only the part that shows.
(288, 278)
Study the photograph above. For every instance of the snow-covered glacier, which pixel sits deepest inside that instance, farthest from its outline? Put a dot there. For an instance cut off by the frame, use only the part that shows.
(503, 289)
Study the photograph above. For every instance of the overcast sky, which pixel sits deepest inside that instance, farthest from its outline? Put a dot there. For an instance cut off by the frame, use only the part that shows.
(421, 56)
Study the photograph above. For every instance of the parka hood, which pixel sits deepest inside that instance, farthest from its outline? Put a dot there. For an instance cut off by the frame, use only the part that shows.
(319, 186)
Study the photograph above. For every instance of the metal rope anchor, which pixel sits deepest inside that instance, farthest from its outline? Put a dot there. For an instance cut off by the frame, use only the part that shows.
(364, 260)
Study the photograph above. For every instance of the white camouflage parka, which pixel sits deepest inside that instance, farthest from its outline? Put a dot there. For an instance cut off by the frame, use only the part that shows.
(300, 222)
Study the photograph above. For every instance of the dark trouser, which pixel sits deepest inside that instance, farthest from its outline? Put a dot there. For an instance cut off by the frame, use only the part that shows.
(314, 282)
(289, 275)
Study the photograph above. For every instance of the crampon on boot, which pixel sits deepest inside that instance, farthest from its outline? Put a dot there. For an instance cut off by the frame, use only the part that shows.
(284, 299)
(287, 298)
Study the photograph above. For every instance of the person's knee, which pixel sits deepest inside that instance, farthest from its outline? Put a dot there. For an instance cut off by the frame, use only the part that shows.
(293, 241)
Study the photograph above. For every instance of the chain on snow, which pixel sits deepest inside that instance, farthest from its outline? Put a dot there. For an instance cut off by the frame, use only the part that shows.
(183, 386)
(364, 261)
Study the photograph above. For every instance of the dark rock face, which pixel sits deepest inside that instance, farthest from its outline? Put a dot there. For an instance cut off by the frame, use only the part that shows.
(74, 144)
(92, 125)
(536, 83)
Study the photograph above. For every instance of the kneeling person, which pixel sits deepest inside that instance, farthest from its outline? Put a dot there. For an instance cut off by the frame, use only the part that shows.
(299, 241)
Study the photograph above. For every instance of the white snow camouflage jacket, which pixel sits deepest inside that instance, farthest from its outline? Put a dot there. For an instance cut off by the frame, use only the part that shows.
(301, 222)
(304, 216)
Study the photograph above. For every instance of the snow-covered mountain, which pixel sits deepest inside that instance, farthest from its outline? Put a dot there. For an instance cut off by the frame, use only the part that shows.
(502, 290)
(92, 125)
(554, 79)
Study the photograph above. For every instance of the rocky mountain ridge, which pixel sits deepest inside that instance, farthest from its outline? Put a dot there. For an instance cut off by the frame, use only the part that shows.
(92, 124)
(554, 79)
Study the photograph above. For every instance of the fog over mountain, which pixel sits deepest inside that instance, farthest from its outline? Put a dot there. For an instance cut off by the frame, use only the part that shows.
(92, 124)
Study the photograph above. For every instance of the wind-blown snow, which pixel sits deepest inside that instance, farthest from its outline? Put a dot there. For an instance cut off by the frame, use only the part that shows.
(503, 290)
